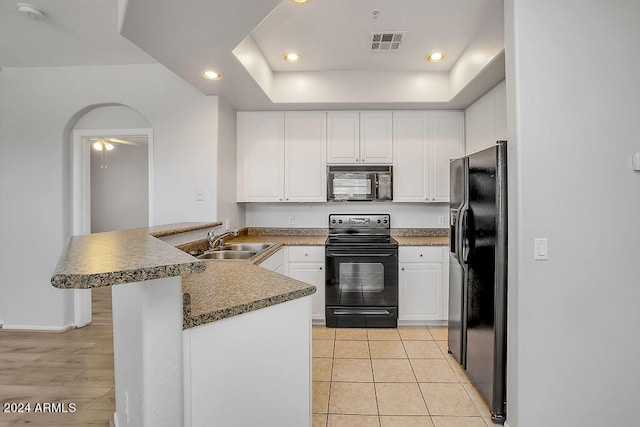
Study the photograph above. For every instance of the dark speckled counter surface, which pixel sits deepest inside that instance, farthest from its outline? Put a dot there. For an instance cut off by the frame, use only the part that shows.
(117, 257)
(212, 289)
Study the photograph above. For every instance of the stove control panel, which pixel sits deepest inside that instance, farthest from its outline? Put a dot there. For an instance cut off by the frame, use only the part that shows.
(360, 221)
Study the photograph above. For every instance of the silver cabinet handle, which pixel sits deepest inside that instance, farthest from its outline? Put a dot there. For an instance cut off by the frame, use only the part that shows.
(348, 312)
(357, 255)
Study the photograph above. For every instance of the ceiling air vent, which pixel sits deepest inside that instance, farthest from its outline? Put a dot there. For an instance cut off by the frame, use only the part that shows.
(387, 40)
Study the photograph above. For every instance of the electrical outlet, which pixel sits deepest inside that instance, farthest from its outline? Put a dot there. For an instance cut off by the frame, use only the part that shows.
(441, 220)
(199, 194)
(292, 220)
(227, 224)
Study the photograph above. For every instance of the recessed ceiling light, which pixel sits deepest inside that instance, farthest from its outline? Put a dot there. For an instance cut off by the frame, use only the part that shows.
(212, 75)
(300, 1)
(291, 57)
(436, 57)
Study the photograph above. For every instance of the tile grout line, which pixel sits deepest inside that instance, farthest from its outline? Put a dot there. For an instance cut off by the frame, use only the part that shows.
(375, 391)
(417, 382)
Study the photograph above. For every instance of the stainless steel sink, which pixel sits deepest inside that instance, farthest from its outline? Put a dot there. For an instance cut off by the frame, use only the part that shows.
(227, 254)
(254, 247)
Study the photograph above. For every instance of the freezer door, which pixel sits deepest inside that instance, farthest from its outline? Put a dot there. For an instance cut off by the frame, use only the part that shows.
(486, 275)
(457, 273)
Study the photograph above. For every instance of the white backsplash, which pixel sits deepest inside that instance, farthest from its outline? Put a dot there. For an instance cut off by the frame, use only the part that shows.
(403, 215)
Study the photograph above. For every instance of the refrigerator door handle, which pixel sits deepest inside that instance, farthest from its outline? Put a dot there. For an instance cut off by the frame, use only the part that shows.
(463, 232)
(457, 253)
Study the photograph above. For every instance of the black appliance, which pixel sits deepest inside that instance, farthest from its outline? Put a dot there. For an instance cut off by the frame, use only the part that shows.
(361, 282)
(478, 272)
(359, 183)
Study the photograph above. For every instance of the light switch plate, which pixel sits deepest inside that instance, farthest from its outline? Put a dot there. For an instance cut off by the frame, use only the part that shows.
(541, 249)
(635, 162)
(199, 194)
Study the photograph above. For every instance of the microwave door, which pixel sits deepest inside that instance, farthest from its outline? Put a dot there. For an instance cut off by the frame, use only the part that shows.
(353, 186)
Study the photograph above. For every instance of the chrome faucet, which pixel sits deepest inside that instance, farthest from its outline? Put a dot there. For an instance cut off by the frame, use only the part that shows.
(217, 239)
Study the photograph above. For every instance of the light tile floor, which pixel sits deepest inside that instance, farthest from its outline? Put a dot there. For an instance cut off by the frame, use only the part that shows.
(377, 377)
(391, 378)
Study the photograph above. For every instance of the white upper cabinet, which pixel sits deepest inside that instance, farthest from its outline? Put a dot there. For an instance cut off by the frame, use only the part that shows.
(343, 137)
(359, 137)
(260, 159)
(411, 157)
(305, 136)
(423, 144)
(281, 157)
(446, 143)
(376, 137)
(486, 120)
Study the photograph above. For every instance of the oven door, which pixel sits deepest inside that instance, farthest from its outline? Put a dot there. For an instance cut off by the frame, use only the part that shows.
(361, 287)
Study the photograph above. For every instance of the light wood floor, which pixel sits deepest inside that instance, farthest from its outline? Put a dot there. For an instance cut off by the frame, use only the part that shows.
(75, 366)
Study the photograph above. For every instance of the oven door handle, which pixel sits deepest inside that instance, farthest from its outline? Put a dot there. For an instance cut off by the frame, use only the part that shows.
(365, 312)
(333, 254)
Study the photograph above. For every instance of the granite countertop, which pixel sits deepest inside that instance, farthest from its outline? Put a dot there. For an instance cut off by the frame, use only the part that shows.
(116, 257)
(422, 240)
(212, 289)
(231, 287)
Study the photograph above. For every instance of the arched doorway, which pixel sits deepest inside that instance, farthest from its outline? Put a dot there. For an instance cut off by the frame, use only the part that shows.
(112, 176)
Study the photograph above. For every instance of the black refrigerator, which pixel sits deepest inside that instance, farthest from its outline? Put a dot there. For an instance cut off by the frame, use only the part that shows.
(478, 272)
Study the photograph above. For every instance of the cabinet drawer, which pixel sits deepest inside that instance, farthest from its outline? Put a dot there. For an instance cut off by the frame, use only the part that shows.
(420, 254)
(306, 254)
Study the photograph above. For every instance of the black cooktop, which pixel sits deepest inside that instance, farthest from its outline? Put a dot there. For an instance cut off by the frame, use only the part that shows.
(360, 230)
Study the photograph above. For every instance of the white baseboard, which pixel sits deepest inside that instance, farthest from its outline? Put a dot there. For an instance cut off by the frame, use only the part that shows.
(37, 328)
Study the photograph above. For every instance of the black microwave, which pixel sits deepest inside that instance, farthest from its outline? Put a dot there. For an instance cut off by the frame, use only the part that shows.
(359, 183)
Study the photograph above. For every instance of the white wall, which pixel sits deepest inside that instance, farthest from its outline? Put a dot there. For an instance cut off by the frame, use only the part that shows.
(316, 215)
(119, 188)
(226, 193)
(486, 120)
(112, 117)
(38, 109)
(573, 127)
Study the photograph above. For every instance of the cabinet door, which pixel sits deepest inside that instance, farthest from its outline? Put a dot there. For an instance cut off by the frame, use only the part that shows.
(376, 137)
(420, 292)
(343, 137)
(410, 157)
(313, 274)
(261, 156)
(305, 145)
(447, 142)
(275, 262)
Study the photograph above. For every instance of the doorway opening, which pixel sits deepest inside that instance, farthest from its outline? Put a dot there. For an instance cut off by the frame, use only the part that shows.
(112, 188)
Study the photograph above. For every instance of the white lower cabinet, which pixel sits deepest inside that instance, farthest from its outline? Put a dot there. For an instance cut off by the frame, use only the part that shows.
(275, 262)
(306, 263)
(421, 288)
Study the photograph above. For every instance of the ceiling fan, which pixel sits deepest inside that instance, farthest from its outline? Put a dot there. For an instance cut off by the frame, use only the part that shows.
(100, 144)
(104, 145)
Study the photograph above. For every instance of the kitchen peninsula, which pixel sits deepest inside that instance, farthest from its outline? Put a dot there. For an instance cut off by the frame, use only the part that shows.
(197, 342)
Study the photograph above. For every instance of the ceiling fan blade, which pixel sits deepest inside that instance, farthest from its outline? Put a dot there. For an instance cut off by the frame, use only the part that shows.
(122, 141)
